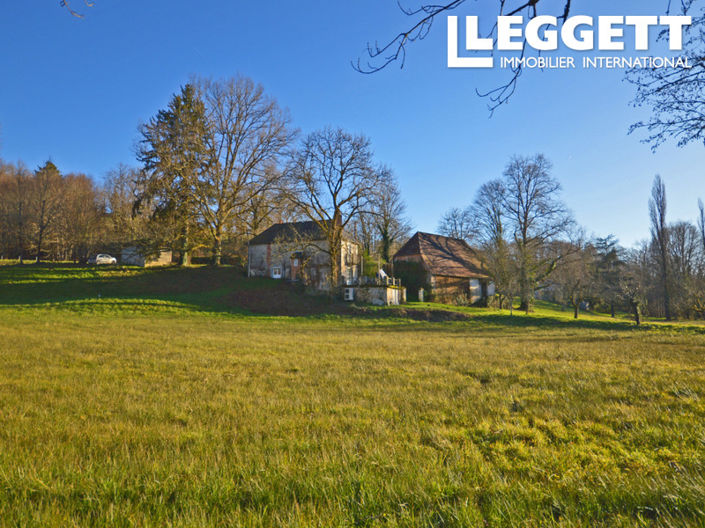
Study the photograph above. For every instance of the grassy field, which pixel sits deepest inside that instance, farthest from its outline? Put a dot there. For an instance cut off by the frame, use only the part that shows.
(158, 398)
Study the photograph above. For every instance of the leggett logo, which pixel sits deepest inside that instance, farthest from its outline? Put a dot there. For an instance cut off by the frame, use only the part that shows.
(577, 33)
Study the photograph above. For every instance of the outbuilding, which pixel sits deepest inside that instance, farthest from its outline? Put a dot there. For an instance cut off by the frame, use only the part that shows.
(449, 267)
(134, 256)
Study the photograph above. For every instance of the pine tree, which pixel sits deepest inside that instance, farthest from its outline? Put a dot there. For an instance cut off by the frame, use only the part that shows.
(174, 154)
(46, 201)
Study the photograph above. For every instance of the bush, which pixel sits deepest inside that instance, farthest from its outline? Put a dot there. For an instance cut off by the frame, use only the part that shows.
(369, 266)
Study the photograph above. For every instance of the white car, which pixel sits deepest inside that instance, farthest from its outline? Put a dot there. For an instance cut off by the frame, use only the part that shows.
(102, 259)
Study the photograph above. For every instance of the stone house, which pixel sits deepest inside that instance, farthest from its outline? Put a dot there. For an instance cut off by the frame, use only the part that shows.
(134, 256)
(451, 269)
(298, 251)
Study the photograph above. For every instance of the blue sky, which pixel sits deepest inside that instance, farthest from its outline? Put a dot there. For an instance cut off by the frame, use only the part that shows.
(75, 91)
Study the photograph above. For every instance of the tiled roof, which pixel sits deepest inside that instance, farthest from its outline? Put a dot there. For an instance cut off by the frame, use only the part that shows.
(444, 256)
(289, 232)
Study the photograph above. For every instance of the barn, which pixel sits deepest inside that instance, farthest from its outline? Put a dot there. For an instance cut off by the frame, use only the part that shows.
(449, 267)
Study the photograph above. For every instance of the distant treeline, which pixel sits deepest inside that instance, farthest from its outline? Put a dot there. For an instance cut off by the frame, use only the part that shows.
(47, 215)
(531, 247)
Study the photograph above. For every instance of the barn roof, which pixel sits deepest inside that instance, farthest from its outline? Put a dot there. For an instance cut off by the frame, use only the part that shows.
(289, 232)
(443, 256)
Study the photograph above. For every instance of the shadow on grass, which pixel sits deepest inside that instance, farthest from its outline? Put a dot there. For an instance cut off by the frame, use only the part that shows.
(40, 284)
(523, 321)
(477, 323)
(493, 323)
(226, 290)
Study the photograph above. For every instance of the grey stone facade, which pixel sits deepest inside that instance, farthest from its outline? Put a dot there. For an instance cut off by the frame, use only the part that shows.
(297, 252)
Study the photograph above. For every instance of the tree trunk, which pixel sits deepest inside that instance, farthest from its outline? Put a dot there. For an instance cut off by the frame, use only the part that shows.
(20, 237)
(526, 294)
(185, 253)
(637, 313)
(525, 305)
(334, 279)
(40, 239)
(334, 271)
(576, 308)
(666, 297)
(386, 246)
(218, 247)
(664, 278)
(612, 312)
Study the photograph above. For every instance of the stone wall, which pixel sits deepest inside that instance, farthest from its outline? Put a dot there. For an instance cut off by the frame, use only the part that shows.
(380, 295)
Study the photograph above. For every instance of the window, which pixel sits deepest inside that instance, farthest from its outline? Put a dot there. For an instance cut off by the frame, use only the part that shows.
(276, 273)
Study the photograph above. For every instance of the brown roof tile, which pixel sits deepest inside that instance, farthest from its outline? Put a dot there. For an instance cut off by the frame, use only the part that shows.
(444, 256)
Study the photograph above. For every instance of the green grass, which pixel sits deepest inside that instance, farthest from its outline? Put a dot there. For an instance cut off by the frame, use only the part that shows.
(151, 398)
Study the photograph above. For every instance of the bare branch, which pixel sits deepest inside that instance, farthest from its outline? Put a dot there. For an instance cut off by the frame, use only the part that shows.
(67, 4)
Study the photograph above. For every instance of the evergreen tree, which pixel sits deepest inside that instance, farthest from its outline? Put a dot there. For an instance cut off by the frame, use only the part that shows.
(46, 201)
(174, 154)
(608, 268)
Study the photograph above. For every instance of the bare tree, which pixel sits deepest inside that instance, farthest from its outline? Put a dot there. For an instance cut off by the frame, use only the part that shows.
(488, 217)
(45, 214)
(19, 209)
(700, 286)
(575, 277)
(379, 56)
(260, 212)
(518, 222)
(126, 224)
(674, 94)
(6, 183)
(210, 155)
(633, 281)
(389, 214)
(536, 217)
(246, 136)
(685, 267)
(487, 214)
(660, 239)
(331, 180)
(457, 223)
(701, 221)
(362, 230)
(264, 209)
(67, 5)
(80, 223)
(502, 266)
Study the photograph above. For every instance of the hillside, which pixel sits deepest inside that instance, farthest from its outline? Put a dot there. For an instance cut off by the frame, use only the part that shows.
(129, 288)
(225, 290)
